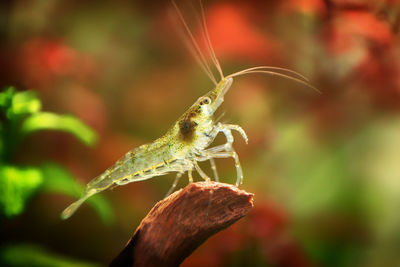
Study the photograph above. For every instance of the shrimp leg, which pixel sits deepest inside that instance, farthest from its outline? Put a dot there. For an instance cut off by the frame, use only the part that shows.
(227, 130)
(177, 178)
(214, 169)
(201, 172)
(226, 154)
(190, 176)
(228, 151)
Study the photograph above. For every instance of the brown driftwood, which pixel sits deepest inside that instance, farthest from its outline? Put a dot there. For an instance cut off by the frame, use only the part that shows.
(178, 224)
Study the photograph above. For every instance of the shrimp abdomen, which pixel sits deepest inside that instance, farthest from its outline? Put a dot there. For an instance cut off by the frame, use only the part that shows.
(138, 164)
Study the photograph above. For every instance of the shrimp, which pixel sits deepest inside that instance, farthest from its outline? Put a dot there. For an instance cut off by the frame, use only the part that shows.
(190, 138)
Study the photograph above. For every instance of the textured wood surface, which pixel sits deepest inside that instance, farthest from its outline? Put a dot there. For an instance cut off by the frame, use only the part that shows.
(178, 224)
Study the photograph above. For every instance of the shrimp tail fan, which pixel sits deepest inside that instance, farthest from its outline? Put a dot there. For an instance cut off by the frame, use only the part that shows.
(73, 207)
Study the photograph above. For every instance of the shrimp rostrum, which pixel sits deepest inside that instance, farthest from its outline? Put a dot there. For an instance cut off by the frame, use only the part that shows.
(189, 140)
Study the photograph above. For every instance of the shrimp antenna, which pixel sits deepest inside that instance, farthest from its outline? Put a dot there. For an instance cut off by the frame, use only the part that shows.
(193, 46)
(209, 43)
(196, 56)
(270, 70)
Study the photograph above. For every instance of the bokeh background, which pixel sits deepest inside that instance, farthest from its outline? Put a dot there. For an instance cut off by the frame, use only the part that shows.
(94, 79)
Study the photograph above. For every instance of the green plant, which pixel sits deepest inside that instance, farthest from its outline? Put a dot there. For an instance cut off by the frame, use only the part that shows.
(20, 116)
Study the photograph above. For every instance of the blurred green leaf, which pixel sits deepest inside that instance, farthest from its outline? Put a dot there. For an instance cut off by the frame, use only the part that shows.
(66, 123)
(58, 180)
(1, 140)
(17, 184)
(320, 180)
(103, 208)
(34, 256)
(24, 103)
(6, 97)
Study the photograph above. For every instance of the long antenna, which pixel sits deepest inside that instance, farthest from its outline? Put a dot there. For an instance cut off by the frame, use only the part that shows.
(197, 52)
(194, 53)
(251, 70)
(272, 68)
(208, 41)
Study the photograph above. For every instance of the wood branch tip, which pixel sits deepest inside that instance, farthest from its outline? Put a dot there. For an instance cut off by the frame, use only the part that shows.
(206, 187)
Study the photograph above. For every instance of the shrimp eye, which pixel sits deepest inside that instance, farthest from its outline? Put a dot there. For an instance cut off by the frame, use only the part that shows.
(206, 100)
